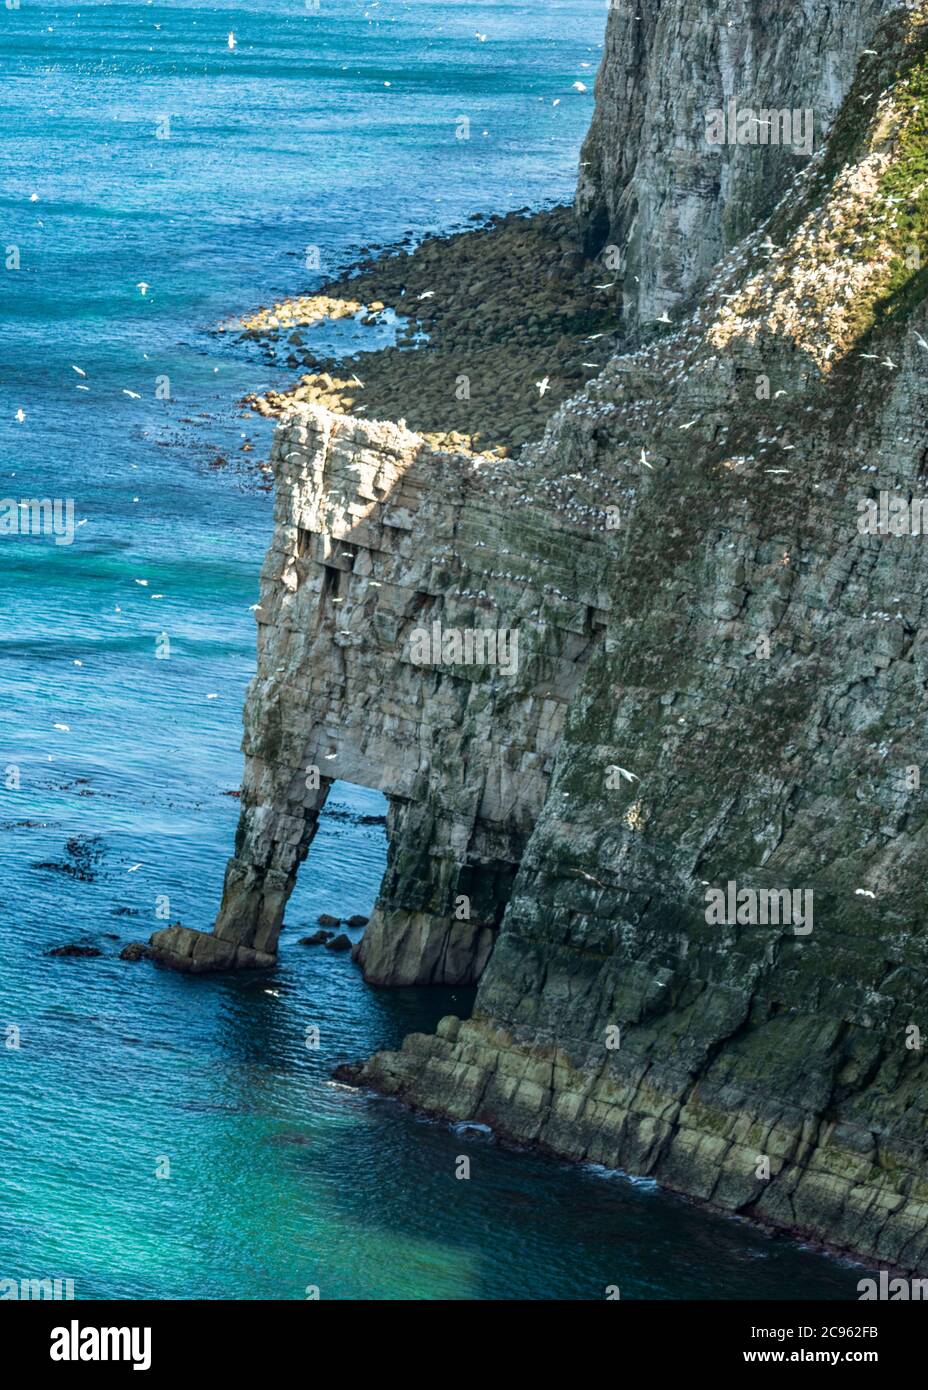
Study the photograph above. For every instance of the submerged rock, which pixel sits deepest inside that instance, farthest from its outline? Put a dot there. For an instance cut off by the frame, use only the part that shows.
(349, 1074)
(74, 949)
(136, 950)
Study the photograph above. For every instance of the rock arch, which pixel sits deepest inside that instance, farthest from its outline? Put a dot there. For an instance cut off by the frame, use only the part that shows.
(378, 535)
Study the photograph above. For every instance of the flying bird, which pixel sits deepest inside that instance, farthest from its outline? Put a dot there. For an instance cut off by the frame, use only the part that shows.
(134, 394)
(231, 39)
(629, 776)
(143, 287)
(543, 385)
(644, 460)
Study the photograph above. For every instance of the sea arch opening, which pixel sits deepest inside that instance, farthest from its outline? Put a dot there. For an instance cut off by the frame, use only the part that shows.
(349, 860)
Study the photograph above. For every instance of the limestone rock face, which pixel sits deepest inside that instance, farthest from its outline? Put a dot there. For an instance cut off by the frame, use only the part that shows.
(762, 687)
(381, 545)
(650, 183)
(722, 680)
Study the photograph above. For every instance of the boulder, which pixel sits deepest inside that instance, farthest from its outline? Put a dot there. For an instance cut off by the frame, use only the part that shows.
(136, 950)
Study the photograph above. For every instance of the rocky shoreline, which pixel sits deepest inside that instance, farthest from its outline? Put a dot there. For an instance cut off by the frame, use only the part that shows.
(359, 1076)
(485, 316)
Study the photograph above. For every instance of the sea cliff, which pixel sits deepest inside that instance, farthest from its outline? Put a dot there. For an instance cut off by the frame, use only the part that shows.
(722, 667)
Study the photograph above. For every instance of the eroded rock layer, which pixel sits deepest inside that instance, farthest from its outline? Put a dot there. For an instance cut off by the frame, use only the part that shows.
(381, 542)
(763, 682)
(651, 183)
(722, 679)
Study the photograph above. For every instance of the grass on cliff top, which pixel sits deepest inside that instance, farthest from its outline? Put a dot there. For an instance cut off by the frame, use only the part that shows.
(901, 65)
(905, 187)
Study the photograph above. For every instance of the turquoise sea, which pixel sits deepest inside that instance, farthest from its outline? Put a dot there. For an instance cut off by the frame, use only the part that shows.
(141, 150)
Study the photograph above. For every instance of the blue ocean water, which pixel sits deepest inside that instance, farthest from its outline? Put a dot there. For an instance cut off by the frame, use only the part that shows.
(334, 128)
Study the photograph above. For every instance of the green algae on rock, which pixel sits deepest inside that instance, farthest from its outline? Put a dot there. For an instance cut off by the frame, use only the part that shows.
(486, 315)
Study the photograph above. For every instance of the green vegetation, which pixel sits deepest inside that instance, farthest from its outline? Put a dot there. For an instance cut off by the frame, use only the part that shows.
(904, 188)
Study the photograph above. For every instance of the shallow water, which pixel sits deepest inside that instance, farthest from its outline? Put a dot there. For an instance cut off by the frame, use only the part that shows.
(278, 1179)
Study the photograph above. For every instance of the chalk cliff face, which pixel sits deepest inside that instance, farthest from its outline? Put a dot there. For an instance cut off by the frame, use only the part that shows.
(650, 184)
(722, 679)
